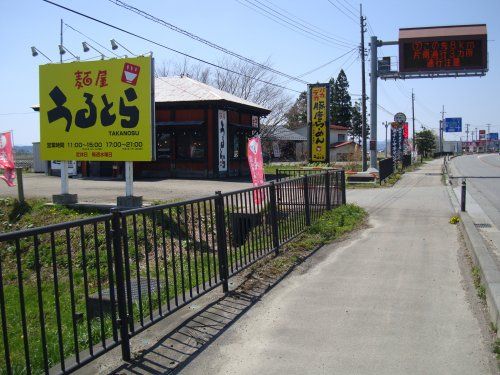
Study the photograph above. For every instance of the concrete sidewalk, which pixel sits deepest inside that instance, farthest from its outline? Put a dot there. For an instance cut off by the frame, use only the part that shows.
(391, 301)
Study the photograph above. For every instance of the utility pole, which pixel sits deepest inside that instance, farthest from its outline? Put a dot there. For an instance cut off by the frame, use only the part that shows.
(467, 132)
(374, 44)
(413, 116)
(363, 87)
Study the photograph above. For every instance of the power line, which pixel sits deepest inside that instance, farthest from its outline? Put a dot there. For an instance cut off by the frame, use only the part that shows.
(385, 110)
(291, 25)
(338, 37)
(165, 47)
(89, 38)
(295, 18)
(350, 5)
(347, 9)
(343, 12)
(200, 39)
(326, 64)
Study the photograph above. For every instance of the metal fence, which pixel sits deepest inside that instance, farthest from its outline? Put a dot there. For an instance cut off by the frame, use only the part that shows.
(385, 168)
(406, 161)
(293, 173)
(70, 292)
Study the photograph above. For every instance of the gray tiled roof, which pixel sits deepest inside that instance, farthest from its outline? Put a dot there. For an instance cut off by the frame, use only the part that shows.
(185, 89)
(283, 134)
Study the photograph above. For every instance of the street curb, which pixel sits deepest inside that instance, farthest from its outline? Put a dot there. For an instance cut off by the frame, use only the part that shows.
(490, 274)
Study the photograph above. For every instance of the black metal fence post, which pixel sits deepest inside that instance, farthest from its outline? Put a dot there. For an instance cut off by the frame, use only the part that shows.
(306, 200)
(274, 217)
(221, 241)
(120, 284)
(342, 174)
(464, 192)
(328, 195)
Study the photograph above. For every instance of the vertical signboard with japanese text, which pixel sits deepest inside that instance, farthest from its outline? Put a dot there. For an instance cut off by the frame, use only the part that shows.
(97, 110)
(222, 140)
(319, 139)
(397, 138)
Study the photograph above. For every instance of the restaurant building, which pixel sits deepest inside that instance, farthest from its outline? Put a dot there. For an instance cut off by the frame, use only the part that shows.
(201, 131)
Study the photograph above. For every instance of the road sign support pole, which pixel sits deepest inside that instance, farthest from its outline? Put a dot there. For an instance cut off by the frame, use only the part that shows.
(373, 103)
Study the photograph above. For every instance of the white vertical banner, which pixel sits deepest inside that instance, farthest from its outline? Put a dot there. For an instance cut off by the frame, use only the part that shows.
(222, 145)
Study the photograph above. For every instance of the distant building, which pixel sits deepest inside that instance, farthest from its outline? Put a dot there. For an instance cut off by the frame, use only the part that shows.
(285, 145)
(341, 148)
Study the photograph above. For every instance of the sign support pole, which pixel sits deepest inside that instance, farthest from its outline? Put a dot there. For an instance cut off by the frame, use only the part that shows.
(64, 177)
(373, 104)
(129, 178)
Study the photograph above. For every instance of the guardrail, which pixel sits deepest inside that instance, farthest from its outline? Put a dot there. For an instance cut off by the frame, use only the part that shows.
(72, 291)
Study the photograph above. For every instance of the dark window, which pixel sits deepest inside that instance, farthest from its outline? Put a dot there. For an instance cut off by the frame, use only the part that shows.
(238, 142)
(164, 145)
(341, 137)
(191, 144)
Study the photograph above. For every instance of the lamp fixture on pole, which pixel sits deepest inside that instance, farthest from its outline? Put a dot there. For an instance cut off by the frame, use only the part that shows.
(35, 52)
(63, 50)
(86, 47)
(115, 44)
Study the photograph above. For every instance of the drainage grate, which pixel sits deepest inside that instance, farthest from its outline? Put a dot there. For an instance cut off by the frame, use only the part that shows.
(482, 225)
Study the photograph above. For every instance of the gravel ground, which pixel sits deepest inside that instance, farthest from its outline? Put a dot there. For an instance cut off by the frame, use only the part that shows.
(105, 192)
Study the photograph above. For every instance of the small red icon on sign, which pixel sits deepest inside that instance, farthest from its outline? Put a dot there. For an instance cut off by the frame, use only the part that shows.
(130, 73)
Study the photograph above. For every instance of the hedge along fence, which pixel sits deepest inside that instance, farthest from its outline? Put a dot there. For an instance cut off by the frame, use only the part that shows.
(72, 291)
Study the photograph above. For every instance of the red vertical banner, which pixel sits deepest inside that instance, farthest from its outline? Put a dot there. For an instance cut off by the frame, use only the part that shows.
(256, 164)
(405, 130)
(7, 158)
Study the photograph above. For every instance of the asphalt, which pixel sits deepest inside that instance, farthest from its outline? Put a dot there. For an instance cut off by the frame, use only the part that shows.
(482, 199)
(390, 301)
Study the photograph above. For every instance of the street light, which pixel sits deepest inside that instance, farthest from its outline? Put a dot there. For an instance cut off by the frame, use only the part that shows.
(115, 44)
(63, 50)
(35, 52)
(87, 47)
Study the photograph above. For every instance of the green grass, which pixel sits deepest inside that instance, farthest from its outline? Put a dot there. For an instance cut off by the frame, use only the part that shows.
(146, 251)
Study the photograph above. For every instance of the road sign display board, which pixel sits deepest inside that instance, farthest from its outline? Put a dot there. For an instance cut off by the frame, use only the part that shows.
(396, 143)
(493, 136)
(319, 98)
(443, 48)
(453, 125)
(482, 134)
(97, 110)
(400, 117)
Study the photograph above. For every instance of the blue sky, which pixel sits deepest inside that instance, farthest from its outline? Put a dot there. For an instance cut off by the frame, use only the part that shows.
(235, 25)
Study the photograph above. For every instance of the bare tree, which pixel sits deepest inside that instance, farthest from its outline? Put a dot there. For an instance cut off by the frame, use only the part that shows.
(253, 83)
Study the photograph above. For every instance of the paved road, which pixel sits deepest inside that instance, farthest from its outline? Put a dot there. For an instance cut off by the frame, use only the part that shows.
(103, 191)
(485, 191)
(389, 302)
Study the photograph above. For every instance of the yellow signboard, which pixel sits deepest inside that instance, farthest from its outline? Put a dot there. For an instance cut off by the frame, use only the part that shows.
(319, 123)
(97, 110)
